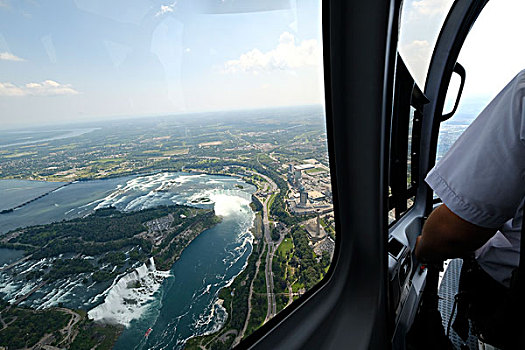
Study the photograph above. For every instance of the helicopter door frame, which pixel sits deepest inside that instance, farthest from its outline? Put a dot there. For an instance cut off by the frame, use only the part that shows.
(457, 25)
(454, 31)
(349, 307)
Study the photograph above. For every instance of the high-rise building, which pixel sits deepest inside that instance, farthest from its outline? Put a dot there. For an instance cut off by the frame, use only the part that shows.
(303, 199)
(297, 175)
(318, 225)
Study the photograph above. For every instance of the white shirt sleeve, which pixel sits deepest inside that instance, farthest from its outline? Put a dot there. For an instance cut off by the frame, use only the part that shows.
(482, 177)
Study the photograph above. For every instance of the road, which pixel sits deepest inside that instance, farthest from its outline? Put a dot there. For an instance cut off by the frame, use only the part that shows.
(75, 318)
(272, 247)
(268, 264)
(250, 294)
(270, 244)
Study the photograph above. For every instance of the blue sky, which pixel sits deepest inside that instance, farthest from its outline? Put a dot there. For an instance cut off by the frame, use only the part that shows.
(80, 60)
(89, 59)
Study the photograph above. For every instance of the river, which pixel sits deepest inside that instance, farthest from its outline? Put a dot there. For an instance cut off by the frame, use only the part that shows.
(186, 303)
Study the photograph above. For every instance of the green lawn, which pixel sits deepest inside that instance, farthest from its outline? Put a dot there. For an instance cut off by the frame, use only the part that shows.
(108, 160)
(296, 286)
(315, 170)
(270, 201)
(285, 247)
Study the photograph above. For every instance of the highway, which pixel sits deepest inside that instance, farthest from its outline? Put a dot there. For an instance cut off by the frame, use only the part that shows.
(272, 247)
(264, 197)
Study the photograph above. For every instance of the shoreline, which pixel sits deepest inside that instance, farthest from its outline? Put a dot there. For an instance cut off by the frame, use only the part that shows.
(124, 174)
(12, 209)
(219, 300)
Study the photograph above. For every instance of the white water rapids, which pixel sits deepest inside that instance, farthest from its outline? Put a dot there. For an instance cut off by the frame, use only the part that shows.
(128, 297)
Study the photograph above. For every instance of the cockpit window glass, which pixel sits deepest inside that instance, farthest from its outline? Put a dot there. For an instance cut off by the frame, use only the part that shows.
(421, 22)
(164, 174)
(491, 57)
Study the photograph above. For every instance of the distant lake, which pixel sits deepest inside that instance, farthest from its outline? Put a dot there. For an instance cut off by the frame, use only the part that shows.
(20, 138)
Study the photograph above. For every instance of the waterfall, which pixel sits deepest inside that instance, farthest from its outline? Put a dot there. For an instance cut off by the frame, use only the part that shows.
(127, 299)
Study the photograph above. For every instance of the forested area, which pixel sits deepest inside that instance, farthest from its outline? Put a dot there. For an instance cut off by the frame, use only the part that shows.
(111, 238)
(310, 271)
(27, 327)
(94, 335)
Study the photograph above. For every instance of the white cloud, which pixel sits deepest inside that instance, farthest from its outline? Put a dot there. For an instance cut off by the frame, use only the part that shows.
(6, 56)
(166, 9)
(421, 21)
(4, 3)
(8, 89)
(287, 55)
(417, 55)
(431, 7)
(45, 88)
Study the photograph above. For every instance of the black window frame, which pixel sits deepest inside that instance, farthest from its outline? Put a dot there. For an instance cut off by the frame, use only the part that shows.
(349, 306)
(407, 96)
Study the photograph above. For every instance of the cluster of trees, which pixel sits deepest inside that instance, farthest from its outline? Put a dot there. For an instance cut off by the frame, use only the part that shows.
(29, 326)
(65, 245)
(103, 276)
(279, 274)
(275, 233)
(95, 336)
(309, 270)
(115, 258)
(256, 204)
(259, 310)
(171, 248)
(105, 225)
(259, 285)
(63, 268)
(281, 300)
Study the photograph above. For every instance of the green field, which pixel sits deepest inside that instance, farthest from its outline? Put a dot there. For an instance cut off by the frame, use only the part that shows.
(315, 171)
(296, 286)
(285, 247)
(270, 201)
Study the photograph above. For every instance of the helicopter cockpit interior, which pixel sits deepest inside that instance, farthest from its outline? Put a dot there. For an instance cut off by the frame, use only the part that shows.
(396, 102)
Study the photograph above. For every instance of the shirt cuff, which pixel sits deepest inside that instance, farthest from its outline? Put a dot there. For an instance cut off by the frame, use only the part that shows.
(458, 205)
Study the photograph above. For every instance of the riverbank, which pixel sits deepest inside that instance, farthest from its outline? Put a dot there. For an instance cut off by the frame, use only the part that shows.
(235, 300)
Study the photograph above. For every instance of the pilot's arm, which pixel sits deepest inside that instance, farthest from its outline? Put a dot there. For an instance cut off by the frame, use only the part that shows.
(481, 179)
(446, 235)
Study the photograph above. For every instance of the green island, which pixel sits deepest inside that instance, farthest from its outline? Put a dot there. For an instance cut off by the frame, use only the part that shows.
(97, 248)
